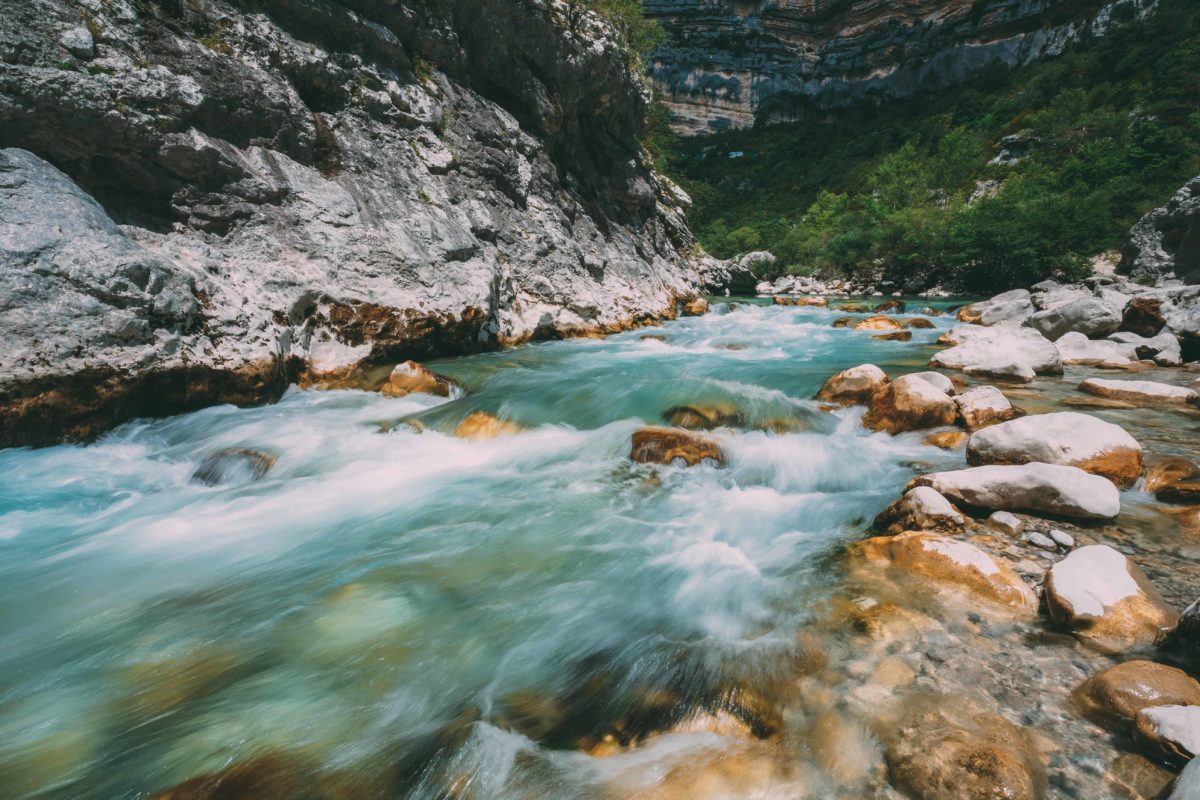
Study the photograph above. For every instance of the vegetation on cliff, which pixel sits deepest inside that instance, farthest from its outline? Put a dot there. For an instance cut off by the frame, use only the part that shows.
(1094, 139)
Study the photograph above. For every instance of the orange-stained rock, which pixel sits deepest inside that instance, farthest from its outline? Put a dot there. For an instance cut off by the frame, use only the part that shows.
(1167, 471)
(877, 323)
(1106, 600)
(695, 307)
(947, 440)
(412, 378)
(704, 418)
(953, 561)
(815, 302)
(854, 386)
(920, 509)
(1119, 692)
(910, 403)
(482, 425)
(894, 336)
(783, 301)
(1171, 732)
(919, 323)
(669, 445)
(892, 306)
(943, 749)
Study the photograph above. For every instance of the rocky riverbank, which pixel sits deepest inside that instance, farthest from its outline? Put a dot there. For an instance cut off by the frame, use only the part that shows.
(204, 203)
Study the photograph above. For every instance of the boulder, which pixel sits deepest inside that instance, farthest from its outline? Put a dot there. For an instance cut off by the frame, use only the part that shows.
(947, 440)
(1077, 349)
(877, 323)
(1182, 493)
(894, 336)
(1106, 600)
(943, 749)
(78, 42)
(704, 418)
(1143, 316)
(917, 323)
(783, 301)
(909, 403)
(1119, 692)
(1068, 438)
(854, 386)
(937, 379)
(892, 306)
(814, 302)
(233, 465)
(952, 561)
(1089, 316)
(1187, 785)
(1049, 295)
(1008, 308)
(920, 509)
(1011, 371)
(724, 277)
(975, 347)
(480, 426)
(412, 378)
(695, 307)
(1172, 732)
(757, 262)
(983, 406)
(675, 446)
(1044, 488)
(1164, 348)
(1139, 392)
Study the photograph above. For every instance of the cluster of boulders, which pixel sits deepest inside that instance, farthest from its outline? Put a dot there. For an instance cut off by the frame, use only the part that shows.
(812, 285)
(948, 528)
(1107, 322)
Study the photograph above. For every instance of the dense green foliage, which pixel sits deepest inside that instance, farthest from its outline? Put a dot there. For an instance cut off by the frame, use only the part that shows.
(1113, 129)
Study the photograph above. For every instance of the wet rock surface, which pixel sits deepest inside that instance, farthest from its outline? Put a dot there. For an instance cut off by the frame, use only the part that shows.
(385, 182)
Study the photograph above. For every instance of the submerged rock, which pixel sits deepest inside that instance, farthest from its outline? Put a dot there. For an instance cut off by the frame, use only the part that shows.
(1106, 600)
(952, 561)
(878, 323)
(1067, 438)
(412, 378)
(675, 446)
(1035, 487)
(983, 406)
(704, 418)
(1140, 392)
(234, 465)
(894, 336)
(481, 425)
(947, 440)
(892, 306)
(943, 749)
(920, 509)
(854, 386)
(1119, 692)
(909, 403)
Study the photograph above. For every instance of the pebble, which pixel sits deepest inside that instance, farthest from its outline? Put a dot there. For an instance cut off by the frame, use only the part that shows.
(1062, 538)
(1005, 521)
(1039, 539)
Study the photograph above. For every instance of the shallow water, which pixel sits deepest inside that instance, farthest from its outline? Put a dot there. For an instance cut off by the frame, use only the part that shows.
(410, 614)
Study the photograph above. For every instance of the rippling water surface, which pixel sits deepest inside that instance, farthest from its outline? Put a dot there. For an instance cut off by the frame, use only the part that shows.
(411, 614)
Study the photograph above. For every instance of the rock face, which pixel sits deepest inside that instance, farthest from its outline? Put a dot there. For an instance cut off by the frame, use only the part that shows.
(910, 403)
(1106, 600)
(727, 65)
(306, 186)
(1046, 488)
(1068, 438)
(1166, 241)
(953, 561)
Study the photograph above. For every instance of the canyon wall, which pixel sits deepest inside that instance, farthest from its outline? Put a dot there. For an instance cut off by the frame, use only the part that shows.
(205, 201)
(730, 63)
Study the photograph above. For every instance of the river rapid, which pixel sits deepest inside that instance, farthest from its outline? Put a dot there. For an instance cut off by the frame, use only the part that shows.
(397, 613)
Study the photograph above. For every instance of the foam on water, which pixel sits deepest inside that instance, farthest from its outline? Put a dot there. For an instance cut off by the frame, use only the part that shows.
(374, 589)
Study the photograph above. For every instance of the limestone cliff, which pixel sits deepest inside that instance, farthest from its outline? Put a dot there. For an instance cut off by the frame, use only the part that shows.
(728, 63)
(205, 201)
(1165, 243)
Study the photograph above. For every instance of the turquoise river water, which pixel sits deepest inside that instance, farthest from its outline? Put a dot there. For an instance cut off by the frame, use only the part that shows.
(411, 614)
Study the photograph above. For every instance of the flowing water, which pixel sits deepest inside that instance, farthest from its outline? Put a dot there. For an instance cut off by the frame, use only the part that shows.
(399, 613)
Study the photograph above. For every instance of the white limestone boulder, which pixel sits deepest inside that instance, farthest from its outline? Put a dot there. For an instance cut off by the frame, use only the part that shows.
(1067, 438)
(1009, 371)
(1140, 392)
(910, 403)
(983, 406)
(1037, 488)
(1075, 348)
(1106, 600)
(984, 346)
(853, 386)
(937, 379)
(920, 509)
(1090, 316)
(1007, 308)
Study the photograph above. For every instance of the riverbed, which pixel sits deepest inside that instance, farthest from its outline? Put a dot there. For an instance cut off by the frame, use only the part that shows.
(396, 612)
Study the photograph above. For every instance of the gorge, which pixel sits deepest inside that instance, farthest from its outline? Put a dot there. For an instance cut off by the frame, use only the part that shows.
(373, 426)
